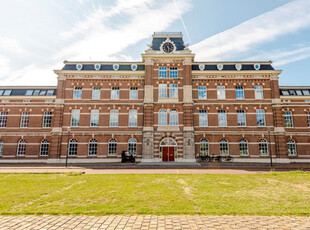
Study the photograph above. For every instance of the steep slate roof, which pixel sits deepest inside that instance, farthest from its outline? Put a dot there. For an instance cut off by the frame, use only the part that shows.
(179, 43)
(230, 67)
(103, 67)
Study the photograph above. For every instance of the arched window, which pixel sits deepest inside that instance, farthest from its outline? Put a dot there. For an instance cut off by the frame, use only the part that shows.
(92, 147)
(132, 146)
(174, 117)
(204, 147)
(162, 117)
(263, 147)
(243, 147)
(73, 144)
(21, 147)
(1, 148)
(291, 147)
(112, 148)
(224, 151)
(44, 146)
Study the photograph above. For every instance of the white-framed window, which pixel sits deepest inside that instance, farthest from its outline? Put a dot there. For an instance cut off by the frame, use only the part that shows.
(73, 145)
(44, 147)
(162, 72)
(239, 92)
(260, 117)
(224, 150)
(21, 147)
(173, 72)
(133, 118)
(203, 118)
(202, 92)
(241, 117)
(204, 147)
(243, 147)
(259, 92)
(133, 93)
(112, 147)
(24, 119)
(288, 119)
(221, 92)
(96, 93)
(113, 118)
(29, 92)
(173, 90)
(92, 147)
(291, 148)
(47, 119)
(77, 92)
(222, 118)
(1, 148)
(94, 118)
(115, 93)
(308, 118)
(50, 92)
(162, 90)
(7, 92)
(3, 118)
(162, 117)
(263, 147)
(132, 146)
(174, 117)
(75, 117)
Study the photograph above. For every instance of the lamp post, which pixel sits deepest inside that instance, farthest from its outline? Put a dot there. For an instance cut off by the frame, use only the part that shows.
(270, 154)
(68, 146)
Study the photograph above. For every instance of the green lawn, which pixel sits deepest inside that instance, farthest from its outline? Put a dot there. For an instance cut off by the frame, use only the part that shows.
(261, 194)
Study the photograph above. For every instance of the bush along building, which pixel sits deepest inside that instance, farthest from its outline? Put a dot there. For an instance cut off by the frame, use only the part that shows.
(168, 107)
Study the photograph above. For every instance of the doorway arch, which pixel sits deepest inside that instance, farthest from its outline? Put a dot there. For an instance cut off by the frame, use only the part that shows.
(168, 149)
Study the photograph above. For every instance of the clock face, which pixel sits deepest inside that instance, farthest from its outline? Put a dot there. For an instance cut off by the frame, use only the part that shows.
(168, 47)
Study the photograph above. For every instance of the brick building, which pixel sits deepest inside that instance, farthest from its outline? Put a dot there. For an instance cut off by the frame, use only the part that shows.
(168, 107)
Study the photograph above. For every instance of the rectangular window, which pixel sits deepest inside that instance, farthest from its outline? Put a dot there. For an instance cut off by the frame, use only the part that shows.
(3, 118)
(133, 93)
(29, 92)
(94, 118)
(241, 117)
(306, 92)
(222, 117)
(173, 72)
(24, 120)
(113, 118)
(203, 118)
(75, 117)
(95, 93)
(202, 92)
(36, 92)
(259, 92)
(260, 117)
(173, 90)
(77, 92)
(7, 92)
(115, 93)
(133, 117)
(43, 92)
(50, 92)
(162, 90)
(288, 118)
(221, 92)
(162, 72)
(1, 92)
(308, 118)
(239, 92)
(47, 119)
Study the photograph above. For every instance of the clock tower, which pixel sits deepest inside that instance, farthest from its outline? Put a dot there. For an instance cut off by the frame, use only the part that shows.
(168, 132)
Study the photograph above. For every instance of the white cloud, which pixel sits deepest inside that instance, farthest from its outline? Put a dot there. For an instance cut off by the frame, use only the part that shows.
(283, 20)
(10, 44)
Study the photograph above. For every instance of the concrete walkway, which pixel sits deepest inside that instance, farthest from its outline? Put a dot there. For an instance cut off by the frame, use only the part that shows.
(124, 171)
(152, 222)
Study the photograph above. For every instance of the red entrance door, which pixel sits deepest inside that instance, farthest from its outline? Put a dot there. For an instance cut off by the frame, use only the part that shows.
(168, 153)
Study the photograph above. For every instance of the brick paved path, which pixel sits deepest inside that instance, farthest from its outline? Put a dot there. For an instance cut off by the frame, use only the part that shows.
(152, 222)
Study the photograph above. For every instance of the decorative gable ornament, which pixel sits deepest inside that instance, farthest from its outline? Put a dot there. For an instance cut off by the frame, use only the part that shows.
(97, 66)
(116, 67)
(201, 66)
(79, 66)
(256, 66)
(238, 67)
(134, 67)
(220, 66)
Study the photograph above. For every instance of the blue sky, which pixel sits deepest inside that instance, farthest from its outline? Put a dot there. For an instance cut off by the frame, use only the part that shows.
(37, 35)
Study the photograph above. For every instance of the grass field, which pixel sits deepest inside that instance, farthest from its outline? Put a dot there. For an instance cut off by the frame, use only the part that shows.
(260, 194)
